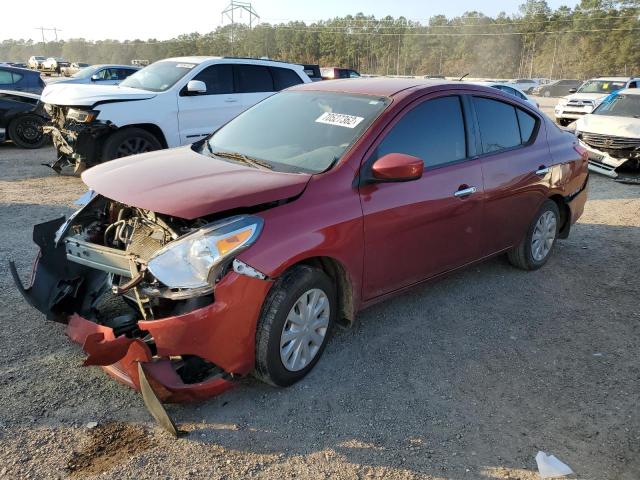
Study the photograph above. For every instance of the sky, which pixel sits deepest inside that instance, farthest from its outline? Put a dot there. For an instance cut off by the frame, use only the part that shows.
(143, 19)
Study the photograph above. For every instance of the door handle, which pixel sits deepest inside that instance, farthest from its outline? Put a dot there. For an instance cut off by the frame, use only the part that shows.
(465, 192)
(542, 171)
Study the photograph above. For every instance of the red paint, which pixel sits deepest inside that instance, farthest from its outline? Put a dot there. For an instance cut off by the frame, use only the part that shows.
(397, 167)
(182, 183)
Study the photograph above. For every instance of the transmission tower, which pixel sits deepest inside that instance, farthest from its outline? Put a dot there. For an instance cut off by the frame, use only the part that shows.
(229, 13)
(43, 29)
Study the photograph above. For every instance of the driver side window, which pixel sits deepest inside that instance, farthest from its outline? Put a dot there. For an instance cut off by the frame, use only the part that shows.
(217, 78)
(433, 131)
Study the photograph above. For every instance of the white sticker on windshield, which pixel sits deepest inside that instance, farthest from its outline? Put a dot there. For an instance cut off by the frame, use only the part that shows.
(185, 65)
(339, 119)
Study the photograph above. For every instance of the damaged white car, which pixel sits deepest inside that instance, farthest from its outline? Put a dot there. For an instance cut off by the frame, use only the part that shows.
(611, 134)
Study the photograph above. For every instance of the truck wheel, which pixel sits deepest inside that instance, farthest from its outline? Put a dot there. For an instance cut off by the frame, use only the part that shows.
(535, 248)
(26, 131)
(129, 141)
(294, 326)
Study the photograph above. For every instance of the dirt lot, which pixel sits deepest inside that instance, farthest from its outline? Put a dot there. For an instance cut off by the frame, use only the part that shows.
(466, 378)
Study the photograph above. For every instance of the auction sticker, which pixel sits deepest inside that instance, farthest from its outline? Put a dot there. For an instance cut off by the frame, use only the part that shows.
(339, 119)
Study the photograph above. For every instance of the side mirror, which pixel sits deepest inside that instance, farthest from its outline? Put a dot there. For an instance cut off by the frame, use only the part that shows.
(397, 167)
(196, 86)
(573, 90)
(95, 78)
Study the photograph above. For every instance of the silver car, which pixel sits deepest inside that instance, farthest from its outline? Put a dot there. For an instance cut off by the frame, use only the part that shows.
(99, 75)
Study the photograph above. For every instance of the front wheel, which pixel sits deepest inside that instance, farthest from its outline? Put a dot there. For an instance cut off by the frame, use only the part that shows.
(294, 326)
(547, 93)
(26, 131)
(129, 141)
(535, 248)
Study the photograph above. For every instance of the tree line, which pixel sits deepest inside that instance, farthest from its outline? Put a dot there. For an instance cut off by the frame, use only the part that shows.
(597, 37)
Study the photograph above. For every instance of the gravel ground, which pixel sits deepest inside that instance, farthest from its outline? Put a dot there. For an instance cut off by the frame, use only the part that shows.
(466, 378)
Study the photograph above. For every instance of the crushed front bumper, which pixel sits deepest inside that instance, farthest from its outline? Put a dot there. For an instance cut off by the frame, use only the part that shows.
(77, 144)
(222, 332)
(603, 163)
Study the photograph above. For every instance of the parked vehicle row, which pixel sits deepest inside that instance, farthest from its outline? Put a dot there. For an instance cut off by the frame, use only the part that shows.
(588, 96)
(191, 267)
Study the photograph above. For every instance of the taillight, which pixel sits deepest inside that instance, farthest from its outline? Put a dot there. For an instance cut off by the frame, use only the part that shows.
(581, 151)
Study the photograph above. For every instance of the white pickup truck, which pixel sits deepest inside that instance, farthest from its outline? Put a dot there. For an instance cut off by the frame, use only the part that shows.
(171, 102)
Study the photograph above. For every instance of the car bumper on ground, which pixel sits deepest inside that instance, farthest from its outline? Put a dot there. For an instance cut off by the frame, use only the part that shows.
(76, 144)
(221, 333)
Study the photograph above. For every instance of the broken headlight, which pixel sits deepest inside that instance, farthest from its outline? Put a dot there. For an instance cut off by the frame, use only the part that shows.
(195, 260)
(82, 116)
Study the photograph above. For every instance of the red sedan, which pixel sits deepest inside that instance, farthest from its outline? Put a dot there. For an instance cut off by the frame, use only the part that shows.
(190, 267)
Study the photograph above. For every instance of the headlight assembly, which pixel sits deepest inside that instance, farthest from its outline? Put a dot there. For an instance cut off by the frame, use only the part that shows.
(82, 116)
(195, 260)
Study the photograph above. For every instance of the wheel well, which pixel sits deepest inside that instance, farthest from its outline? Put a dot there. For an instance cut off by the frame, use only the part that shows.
(340, 277)
(565, 215)
(154, 130)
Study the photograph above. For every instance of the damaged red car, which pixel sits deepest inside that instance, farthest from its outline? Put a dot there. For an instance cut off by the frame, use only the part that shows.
(241, 252)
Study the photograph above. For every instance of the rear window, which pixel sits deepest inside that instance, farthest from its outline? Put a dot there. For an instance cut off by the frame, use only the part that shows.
(253, 78)
(284, 78)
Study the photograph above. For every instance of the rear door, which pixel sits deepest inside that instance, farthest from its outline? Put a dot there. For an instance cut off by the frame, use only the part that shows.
(415, 230)
(199, 114)
(515, 165)
(253, 83)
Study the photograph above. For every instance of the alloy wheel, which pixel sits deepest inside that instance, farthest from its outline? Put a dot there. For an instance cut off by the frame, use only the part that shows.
(544, 234)
(304, 330)
(132, 146)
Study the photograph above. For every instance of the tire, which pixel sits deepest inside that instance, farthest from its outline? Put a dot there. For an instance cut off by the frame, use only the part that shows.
(563, 122)
(299, 284)
(547, 93)
(26, 131)
(129, 141)
(526, 256)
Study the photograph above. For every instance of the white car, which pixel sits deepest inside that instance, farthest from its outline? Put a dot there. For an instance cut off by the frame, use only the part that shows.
(35, 62)
(611, 134)
(585, 99)
(172, 102)
(510, 89)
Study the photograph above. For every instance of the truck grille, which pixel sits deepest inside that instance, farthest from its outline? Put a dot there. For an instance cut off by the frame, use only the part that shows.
(598, 140)
(580, 103)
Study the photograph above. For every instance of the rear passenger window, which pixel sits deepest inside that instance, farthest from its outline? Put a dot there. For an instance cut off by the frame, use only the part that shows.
(217, 78)
(498, 124)
(284, 78)
(253, 78)
(433, 131)
(527, 125)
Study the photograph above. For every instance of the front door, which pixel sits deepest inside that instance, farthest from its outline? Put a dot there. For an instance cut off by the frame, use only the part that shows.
(418, 229)
(199, 114)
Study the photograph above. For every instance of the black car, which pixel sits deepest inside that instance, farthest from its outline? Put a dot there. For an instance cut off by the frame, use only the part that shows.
(559, 88)
(20, 79)
(21, 119)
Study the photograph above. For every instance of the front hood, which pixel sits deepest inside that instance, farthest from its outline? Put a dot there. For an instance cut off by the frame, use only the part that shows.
(182, 183)
(586, 96)
(88, 95)
(610, 125)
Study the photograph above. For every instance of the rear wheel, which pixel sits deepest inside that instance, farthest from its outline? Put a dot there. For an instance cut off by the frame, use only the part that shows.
(26, 131)
(547, 93)
(535, 248)
(295, 325)
(129, 141)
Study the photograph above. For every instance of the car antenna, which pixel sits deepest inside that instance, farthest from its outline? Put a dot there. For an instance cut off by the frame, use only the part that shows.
(462, 77)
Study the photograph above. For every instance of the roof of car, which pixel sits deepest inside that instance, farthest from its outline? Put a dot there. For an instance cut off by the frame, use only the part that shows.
(614, 79)
(630, 91)
(383, 86)
(202, 59)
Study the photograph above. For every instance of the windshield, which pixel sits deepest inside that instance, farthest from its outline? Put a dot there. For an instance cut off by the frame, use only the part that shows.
(296, 131)
(85, 72)
(601, 86)
(620, 105)
(158, 76)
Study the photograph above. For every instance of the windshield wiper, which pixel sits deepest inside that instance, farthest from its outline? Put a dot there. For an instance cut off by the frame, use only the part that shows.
(239, 157)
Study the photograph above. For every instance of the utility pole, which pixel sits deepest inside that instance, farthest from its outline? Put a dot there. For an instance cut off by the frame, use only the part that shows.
(553, 61)
(533, 54)
(229, 12)
(55, 30)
